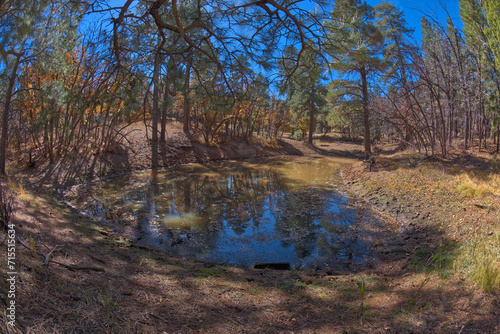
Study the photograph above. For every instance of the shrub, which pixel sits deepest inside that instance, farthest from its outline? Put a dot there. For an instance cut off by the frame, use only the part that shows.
(298, 135)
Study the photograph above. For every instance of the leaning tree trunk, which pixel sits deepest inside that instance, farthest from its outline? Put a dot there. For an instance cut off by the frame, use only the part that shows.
(4, 139)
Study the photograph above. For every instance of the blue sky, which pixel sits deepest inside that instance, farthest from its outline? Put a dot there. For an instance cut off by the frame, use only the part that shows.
(414, 10)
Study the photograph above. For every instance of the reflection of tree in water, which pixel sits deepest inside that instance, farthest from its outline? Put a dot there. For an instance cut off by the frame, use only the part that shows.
(296, 222)
(204, 207)
(243, 196)
(238, 199)
(344, 227)
(322, 222)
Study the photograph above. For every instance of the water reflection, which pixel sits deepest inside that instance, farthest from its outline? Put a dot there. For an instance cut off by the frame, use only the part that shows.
(278, 210)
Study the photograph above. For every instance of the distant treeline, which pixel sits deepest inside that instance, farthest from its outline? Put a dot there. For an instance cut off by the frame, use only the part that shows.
(76, 73)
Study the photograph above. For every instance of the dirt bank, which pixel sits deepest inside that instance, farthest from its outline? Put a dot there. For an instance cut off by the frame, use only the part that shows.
(135, 152)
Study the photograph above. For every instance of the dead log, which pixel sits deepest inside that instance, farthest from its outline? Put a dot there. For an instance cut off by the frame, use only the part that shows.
(273, 265)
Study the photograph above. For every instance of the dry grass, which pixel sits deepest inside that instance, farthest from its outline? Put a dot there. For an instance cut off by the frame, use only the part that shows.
(480, 259)
(461, 197)
(478, 185)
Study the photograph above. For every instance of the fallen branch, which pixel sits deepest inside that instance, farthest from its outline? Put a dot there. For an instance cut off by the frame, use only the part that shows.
(482, 205)
(47, 259)
(158, 317)
(416, 162)
(70, 267)
(151, 314)
(45, 256)
(405, 142)
(97, 259)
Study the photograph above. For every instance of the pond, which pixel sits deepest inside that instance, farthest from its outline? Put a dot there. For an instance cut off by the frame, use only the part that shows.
(275, 210)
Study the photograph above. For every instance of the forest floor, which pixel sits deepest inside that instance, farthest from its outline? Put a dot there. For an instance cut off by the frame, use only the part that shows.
(99, 282)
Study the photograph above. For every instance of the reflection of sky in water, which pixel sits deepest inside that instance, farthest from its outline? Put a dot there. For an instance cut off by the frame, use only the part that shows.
(280, 210)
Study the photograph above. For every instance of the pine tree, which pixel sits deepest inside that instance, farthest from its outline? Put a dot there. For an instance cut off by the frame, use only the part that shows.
(356, 45)
(305, 88)
(31, 32)
(492, 30)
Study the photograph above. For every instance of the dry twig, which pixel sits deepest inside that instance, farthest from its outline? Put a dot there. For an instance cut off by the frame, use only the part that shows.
(47, 259)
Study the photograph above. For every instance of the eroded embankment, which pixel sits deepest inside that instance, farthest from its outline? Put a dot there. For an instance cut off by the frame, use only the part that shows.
(134, 151)
(445, 208)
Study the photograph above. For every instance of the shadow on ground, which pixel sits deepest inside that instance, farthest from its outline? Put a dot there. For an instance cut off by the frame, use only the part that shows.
(121, 288)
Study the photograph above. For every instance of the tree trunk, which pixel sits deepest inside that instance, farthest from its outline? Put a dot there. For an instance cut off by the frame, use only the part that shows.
(163, 129)
(4, 139)
(156, 110)
(185, 119)
(155, 113)
(498, 138)
(467, 127)
(366, 113)
(311, 123)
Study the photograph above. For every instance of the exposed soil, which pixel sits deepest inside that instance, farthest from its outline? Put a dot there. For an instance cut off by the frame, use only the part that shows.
(180, 149)
(98, 282)
(133, 152)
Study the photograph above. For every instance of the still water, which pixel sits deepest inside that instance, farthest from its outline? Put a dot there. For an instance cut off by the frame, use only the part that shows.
(285, 209)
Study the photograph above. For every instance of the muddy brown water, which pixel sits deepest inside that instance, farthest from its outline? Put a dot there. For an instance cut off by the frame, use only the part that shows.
(286, 209)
